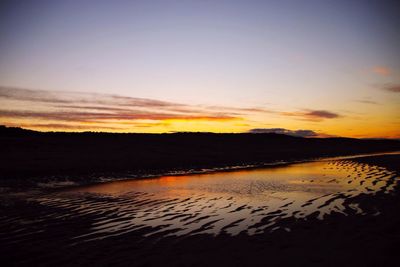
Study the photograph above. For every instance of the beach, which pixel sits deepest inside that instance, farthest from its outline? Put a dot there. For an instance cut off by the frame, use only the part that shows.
(199, 133)
(329, 212)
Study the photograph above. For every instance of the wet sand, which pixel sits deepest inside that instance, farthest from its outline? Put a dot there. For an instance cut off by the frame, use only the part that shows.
(340, 211)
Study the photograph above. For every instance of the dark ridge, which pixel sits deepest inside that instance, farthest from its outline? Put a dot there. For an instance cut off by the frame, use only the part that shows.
(28, 154)
(15, 131)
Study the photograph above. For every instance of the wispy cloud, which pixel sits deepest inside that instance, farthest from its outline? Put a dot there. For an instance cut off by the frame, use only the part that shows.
(241, 110)
(102, 116)
(32, 95)
(313, 115)
(83, 111)
(65, 110)
(393, 88)
(322, 114)
(76, 98)
(367, 101)
(382, 70)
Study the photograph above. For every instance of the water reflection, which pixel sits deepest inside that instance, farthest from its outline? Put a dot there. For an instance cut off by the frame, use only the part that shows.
(250, 201)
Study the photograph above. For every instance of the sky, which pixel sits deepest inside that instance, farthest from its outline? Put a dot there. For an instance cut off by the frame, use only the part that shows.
(314, 68)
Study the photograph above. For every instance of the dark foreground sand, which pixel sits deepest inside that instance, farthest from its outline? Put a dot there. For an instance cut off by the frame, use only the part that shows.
(43, 233)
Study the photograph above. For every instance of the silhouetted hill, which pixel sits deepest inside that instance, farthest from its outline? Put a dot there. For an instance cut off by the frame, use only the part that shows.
(15, 131)
(28, 153)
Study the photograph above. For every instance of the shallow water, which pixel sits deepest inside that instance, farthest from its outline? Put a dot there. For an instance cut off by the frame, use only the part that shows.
(248, 201)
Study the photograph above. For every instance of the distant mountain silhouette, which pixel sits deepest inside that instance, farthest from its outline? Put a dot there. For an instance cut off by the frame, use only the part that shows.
(14, 131)
(27, 153)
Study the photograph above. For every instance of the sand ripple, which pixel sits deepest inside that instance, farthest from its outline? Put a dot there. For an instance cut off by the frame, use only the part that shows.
(251, 202)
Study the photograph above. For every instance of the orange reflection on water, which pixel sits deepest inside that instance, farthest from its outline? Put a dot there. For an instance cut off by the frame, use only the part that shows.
(304, 177)
(250, 201)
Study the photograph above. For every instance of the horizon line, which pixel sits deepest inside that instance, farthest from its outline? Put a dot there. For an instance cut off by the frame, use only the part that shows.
(194, 132)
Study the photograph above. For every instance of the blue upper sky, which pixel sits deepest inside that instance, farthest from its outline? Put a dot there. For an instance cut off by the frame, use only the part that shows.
(281, 54)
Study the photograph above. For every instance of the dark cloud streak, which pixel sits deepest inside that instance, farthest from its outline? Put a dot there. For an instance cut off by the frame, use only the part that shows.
(74, 116)
(312, 115)
(297, 133)
(367, 102)
(393, 88)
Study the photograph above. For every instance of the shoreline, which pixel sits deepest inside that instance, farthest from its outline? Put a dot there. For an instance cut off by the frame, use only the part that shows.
(239, 168)
(93, 156)
(60, 182)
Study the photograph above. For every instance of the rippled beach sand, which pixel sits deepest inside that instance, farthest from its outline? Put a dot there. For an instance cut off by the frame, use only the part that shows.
(246, 217)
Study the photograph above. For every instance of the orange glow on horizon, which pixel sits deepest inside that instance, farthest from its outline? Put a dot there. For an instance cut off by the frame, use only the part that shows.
(79, 112)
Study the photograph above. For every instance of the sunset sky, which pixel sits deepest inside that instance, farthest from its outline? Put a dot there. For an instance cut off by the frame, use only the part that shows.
(330, 67)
